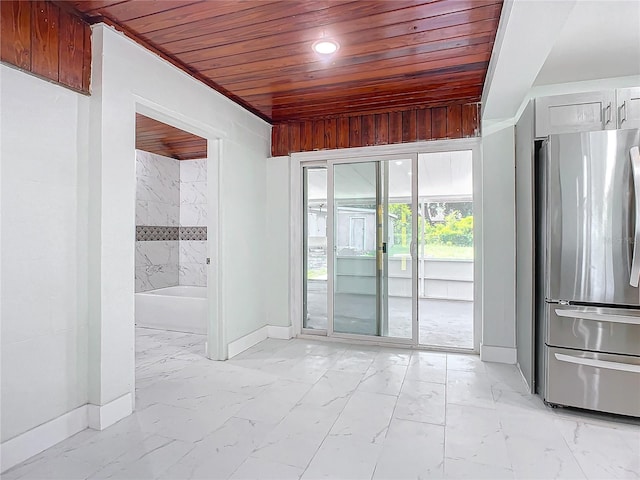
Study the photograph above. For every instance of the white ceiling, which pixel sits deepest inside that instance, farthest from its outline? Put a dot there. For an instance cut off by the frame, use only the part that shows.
(545, 45)
(600, 39)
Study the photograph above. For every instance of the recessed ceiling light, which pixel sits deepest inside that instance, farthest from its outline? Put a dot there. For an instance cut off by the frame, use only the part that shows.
(325, 46)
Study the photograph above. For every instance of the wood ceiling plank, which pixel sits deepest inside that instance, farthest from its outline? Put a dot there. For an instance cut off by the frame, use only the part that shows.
(354, 75)
(394, 56)
(289, 44)
(314, 18)
(311, 67)
(285, 44)
(162, 139)
(468, 93)
(90, 7)
(137, 11)
(357, 91)
(189, 12)
(15, 24)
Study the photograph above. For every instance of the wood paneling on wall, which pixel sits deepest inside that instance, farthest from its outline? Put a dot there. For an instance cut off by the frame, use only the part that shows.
(42, 38)
(453, 121)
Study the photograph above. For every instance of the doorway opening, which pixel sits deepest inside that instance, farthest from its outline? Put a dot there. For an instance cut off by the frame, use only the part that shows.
(171, 304)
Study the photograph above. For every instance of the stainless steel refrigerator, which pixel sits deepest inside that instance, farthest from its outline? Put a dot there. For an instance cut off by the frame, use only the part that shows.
(588, 327)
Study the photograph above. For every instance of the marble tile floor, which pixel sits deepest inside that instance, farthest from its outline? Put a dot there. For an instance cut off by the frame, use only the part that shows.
(314, 409)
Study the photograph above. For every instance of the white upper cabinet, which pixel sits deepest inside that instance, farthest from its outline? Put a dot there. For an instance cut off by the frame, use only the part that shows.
(628, 101)
(580, 112)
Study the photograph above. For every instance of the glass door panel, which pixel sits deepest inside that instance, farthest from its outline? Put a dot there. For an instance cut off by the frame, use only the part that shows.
(445, 250)
(355, 284)
(398, 271)
(315, 248)
(373, 225)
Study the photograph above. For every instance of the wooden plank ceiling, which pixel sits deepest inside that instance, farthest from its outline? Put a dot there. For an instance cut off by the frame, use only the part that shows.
(162, 139)
(394, 55)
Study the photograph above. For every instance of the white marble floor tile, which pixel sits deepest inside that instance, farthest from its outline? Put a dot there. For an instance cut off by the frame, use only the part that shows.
(344, 458)
(427, 367)
(383, 378)
(465, 363)
(411, 450)
(274, 403)
(475, 434)
(219, 454)
(261, 469)
(296, 439)
(421, 402)
(464, 469)
(147, 460)
(332, 392)
(469, 388)
(366, 417)
(602, 451)
(290, 408)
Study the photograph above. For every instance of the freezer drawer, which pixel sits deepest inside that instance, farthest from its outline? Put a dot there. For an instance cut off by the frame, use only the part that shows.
(612, 330)
(595, 381)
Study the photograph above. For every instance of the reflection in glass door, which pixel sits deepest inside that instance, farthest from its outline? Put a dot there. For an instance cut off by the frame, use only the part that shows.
(372, 223)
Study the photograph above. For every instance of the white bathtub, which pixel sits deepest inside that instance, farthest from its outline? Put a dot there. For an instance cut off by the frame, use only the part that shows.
(182, 309)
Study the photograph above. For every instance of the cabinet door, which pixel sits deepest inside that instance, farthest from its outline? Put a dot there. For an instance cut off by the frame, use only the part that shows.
(628, 100)
(580, 112)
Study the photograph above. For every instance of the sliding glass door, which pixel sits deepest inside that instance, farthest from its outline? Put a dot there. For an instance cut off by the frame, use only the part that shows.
(371, 235)
(388, 249)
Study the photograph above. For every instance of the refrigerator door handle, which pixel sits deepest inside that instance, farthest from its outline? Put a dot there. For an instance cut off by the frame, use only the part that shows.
(635, 261)
(592, 362)
(599, 317)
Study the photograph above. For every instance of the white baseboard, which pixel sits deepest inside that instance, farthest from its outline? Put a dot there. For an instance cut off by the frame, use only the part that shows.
(283, 333)
(243, 343)
(489, 353)
(38, 439)
(103, 416)
(269, 331)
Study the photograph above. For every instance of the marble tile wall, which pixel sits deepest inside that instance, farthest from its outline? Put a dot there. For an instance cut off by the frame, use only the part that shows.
(193, 213)
(157, 204)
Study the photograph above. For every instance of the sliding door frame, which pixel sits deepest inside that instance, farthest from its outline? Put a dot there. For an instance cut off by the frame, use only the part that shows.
(382, 194)
(321, 158)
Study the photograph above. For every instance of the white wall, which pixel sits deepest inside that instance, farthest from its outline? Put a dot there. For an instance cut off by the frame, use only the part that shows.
(498, 254)
(127, 78)
(277, 241)
(44, 250)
